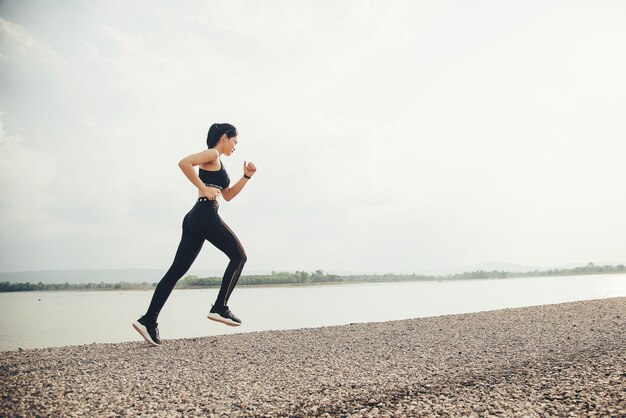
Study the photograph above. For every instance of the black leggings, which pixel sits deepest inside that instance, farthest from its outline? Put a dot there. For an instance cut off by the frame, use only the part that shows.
(201, 223)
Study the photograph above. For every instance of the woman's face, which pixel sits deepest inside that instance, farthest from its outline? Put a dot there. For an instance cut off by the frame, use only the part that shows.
(229, 148)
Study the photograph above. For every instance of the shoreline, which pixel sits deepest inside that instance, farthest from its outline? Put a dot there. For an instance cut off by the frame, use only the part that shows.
(329, 283)
(542, 360)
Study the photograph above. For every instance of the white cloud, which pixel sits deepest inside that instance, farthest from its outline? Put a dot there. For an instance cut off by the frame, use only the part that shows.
(19, 44)
(25, 176)
(390, 136)
(25, 173)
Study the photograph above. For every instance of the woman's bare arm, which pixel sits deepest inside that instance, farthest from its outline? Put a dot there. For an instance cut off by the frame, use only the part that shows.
(187, 165)
(248, 170)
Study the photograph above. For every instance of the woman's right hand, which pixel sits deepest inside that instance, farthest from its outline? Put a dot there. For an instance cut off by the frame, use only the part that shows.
(211, 193)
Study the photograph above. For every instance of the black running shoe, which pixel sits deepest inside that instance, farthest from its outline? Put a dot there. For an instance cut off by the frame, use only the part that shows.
(224, 315)
(148, 330)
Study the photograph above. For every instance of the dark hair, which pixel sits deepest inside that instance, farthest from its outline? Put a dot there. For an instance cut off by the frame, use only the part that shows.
(217, 130)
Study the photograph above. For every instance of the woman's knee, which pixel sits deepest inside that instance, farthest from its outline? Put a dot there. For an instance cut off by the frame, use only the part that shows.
(240, 257)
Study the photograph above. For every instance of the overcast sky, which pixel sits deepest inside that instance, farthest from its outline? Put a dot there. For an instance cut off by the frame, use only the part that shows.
(389, 136)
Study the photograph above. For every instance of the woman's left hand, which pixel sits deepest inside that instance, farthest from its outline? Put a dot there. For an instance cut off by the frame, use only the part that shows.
(249, 169)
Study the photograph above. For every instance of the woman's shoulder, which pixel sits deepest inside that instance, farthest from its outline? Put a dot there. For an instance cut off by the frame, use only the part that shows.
(211, 155)
(210, 159)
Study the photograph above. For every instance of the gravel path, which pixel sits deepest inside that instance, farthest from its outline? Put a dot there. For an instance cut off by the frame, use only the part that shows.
(554, 360)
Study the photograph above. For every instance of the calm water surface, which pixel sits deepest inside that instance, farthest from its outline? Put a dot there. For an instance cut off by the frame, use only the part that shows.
(49, 319)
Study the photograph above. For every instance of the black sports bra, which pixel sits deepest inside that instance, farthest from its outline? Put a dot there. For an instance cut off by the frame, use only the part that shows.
(218, 179)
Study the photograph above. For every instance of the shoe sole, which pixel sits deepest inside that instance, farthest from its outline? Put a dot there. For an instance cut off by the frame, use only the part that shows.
(143, 331)
(218, 318)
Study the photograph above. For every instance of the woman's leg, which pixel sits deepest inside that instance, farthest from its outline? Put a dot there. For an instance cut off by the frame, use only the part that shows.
(226, 241)
(188, 249)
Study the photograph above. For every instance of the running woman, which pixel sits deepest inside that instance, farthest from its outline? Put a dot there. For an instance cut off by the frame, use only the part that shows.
(202, 223)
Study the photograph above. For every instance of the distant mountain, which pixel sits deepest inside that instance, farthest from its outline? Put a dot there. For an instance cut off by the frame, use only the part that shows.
(95, 276)
(520, 268)
(509, 267)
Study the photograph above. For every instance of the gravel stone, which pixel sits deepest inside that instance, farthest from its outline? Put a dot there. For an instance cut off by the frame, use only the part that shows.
(565, 359)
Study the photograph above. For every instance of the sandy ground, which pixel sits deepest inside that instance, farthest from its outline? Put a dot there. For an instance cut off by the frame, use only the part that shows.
(554, 360)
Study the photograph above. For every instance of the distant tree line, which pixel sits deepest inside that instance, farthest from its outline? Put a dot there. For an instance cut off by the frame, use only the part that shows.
(590, 268)
(276, 278)
(318, 276)
(21, 287)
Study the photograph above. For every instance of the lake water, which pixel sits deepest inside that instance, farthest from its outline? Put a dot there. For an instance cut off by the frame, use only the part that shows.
(49, 319)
